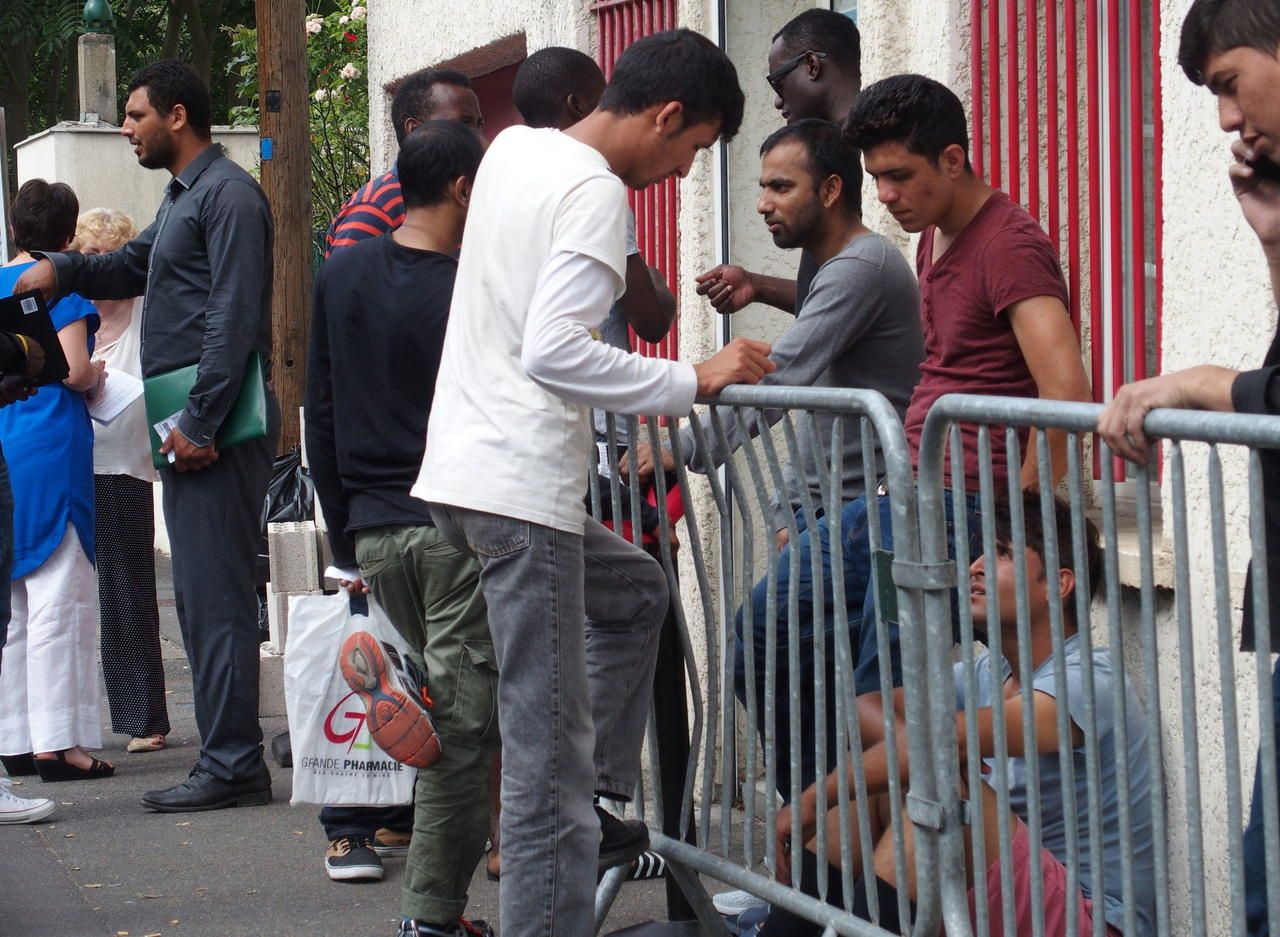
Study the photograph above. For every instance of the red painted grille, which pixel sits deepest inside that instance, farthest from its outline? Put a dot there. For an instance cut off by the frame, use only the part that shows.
(622, 22)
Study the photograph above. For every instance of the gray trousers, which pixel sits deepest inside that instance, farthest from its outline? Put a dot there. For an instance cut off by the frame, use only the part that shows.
(214, 518)
(575, 623)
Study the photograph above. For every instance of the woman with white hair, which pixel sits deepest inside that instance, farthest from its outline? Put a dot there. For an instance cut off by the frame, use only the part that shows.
(122, 481)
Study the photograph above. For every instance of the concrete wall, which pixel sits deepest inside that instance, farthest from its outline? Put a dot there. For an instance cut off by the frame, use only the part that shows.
(100, 165)
(405, 41)
(1217, 309)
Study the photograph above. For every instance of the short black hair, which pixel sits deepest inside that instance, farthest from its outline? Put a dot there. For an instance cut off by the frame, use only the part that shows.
(43, 216)
(922, 114)
(413, 95)
(546, 78)
(1212, 27)
(435, 154)
(1063, 533)
(677, 65)
(830, 154)
(824, 31)
(169, 83)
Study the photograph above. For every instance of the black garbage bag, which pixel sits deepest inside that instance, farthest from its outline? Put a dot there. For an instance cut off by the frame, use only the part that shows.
(290, 493)
(290, 497)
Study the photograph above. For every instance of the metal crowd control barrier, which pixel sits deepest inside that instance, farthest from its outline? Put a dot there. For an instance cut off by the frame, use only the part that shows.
(1149, 678)
(736, 846)
(1182, 884)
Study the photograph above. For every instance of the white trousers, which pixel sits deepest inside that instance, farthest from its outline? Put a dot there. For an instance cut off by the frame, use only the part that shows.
(49, 693)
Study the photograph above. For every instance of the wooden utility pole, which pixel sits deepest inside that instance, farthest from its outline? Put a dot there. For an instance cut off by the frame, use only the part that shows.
(284, 107)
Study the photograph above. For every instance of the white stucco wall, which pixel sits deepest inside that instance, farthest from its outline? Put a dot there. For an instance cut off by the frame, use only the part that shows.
(407, 37)
(101, 167)
(1217, 305)
(1217, 309)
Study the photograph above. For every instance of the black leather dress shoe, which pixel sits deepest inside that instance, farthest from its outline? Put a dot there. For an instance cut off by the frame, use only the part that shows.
(205, 791)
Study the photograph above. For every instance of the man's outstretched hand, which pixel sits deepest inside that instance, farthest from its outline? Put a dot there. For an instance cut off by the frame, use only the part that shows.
(39, 276)
(742, 361)
(727, 288)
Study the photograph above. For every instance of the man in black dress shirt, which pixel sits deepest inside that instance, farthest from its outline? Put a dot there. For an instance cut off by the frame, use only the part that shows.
(204, 268)
(1233, 48)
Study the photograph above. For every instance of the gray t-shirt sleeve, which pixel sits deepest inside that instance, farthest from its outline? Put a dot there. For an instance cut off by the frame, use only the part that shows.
(1073, 683)
(843, 304)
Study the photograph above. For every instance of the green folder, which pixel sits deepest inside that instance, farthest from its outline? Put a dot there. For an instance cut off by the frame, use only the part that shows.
(166, 397)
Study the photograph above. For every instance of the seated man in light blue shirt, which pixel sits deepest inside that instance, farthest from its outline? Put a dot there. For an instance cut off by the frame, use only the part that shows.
(1101, 891)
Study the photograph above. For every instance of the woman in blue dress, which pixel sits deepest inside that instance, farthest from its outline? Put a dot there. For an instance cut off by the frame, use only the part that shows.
(50, 705)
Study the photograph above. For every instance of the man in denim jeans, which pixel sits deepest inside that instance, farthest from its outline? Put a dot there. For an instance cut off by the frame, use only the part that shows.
(993, 303)
(574, 610)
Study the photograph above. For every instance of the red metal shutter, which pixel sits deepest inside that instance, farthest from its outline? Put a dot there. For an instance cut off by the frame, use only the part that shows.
(1111, 154)
(622, 22)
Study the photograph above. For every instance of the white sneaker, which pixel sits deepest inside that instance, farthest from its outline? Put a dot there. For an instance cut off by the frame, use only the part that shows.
(15, 809)
(733, 903)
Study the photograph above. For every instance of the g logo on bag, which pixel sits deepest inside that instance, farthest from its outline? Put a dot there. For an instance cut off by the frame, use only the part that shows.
(355, 716)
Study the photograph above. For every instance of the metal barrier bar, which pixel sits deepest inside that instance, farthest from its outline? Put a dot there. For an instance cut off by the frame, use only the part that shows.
(1227, 687)
(1089, 784)
(1136, 762)
(742, 419)
(1116, 641)
(1186, 661)
(1266, 715)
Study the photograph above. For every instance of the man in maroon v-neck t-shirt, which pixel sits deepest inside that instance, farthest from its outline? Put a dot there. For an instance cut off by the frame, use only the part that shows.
(968, 297)
(993, 300)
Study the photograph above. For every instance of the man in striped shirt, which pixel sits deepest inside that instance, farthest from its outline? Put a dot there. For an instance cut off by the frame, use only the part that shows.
(377, 206)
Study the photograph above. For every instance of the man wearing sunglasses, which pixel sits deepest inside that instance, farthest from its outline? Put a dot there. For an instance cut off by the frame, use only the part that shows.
(815, 70)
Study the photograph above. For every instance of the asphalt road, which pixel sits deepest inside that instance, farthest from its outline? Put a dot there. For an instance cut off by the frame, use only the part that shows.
(101, 866)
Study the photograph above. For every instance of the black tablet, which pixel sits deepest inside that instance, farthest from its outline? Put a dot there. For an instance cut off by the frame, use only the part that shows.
(26, 314)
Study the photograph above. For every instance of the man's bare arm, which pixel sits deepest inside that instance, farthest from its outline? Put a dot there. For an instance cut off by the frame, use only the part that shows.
(729, 288)
(647, 304)
(1052, 352)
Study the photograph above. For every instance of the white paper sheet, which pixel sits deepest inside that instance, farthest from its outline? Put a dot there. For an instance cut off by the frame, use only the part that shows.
(118, 391)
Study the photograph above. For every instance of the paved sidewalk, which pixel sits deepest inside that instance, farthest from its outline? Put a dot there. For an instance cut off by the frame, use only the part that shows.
(104, 867)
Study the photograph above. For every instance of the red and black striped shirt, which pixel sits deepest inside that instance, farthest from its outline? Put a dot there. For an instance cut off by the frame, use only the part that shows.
(373, 209)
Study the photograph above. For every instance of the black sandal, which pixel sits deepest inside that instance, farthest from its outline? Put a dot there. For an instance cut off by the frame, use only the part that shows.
(59, 769)
(19, 766)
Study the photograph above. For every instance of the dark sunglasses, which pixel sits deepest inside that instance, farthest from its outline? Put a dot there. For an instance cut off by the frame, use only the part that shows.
(775, 78)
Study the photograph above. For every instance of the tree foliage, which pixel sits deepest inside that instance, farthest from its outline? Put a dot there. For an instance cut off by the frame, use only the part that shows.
(336, 61)
(38, 67)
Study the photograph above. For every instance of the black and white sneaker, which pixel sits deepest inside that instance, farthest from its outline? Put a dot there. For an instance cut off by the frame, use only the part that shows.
(621, 841)
(459, 928)
(352, 859)
(649, 866)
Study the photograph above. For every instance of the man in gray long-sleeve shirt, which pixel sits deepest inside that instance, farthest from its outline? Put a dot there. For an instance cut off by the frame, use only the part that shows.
(204, 268)
(859, 327)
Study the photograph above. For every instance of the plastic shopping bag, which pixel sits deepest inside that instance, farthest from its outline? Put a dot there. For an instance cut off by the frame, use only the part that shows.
(335, 760)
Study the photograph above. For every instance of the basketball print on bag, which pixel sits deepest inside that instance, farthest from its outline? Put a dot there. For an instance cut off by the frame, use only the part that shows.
(399, 718)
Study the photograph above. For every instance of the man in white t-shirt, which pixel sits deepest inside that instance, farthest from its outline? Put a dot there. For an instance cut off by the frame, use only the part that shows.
(508, 449)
